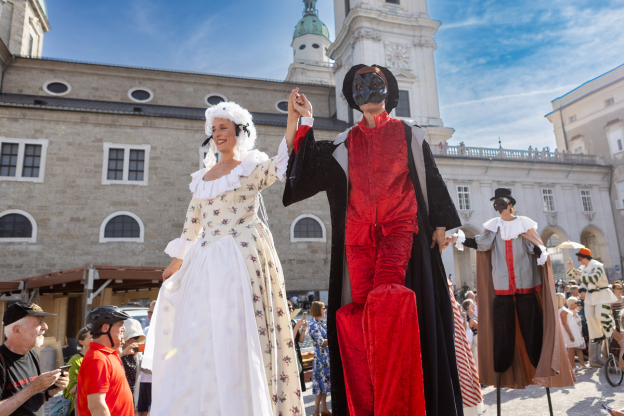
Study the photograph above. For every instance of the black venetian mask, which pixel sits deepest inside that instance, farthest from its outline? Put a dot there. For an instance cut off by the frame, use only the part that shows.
(369, 88)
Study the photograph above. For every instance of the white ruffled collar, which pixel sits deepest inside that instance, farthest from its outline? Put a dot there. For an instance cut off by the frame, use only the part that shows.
(510, 229)
(202, 189)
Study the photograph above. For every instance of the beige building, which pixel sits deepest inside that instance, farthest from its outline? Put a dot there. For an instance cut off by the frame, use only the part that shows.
(590, 120)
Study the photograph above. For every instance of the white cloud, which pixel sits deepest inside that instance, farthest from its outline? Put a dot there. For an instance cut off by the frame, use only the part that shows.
(526, 66)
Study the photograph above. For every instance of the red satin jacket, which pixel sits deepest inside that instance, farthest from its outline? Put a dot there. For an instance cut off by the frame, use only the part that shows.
(381, 192)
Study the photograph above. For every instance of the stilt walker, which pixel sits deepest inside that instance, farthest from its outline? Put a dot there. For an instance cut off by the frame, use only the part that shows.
(514, 282)
(390, 321)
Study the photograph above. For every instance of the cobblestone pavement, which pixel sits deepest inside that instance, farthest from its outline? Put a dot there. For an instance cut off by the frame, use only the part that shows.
(584, 399)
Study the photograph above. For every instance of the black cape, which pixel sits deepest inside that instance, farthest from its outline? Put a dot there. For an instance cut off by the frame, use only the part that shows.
(320, 166)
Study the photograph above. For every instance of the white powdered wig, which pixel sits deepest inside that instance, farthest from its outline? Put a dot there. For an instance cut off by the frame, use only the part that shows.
(238, 115)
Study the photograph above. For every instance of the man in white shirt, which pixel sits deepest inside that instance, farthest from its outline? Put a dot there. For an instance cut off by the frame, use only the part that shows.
(145, 386)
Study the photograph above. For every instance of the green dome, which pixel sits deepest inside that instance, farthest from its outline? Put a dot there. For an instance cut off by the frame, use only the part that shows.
(310, 24)
(42, 3)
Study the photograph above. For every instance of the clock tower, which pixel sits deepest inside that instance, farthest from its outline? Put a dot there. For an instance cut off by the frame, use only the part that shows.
(397, 34)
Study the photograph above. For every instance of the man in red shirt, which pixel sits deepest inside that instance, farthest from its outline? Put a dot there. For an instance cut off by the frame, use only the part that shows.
(102, 386)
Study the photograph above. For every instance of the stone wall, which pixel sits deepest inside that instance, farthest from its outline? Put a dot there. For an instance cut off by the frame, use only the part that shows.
(70, 205)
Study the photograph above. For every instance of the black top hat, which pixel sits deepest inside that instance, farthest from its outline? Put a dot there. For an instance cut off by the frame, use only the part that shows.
(393, 87)
(503, 193)
(20, 310)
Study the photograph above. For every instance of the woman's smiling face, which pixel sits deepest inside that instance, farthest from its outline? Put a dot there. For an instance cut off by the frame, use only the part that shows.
(224, 135)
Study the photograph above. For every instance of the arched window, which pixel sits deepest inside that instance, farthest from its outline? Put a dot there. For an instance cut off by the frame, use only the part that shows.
(307, 227)
(17, 226)
(122, 226)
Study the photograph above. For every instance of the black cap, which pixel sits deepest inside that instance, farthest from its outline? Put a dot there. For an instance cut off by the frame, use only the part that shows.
(20, 310)
(503, 193)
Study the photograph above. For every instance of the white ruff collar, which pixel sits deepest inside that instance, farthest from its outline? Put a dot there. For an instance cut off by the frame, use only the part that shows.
(202, 189)
(510, 229)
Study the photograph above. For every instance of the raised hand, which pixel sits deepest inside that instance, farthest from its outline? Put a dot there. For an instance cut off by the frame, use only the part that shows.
(303, 106)
(292, 113)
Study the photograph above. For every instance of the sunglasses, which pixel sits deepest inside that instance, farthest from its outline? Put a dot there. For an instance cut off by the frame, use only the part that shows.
(150, 313)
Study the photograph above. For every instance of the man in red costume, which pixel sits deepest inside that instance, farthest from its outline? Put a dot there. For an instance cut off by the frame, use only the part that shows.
(389, 183)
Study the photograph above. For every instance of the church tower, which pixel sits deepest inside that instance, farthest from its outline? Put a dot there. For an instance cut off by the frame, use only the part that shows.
(397, 34)
(22, 26)
(310, 44)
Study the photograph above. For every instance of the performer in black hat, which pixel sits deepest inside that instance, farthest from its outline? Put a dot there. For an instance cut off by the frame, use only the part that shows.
(390, 320)
(512, 268)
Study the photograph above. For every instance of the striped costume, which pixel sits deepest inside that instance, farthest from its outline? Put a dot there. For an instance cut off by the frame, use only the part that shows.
(598, 299)
(472, 399)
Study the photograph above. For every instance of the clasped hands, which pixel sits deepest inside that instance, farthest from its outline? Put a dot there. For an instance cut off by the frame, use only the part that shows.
(298, 105)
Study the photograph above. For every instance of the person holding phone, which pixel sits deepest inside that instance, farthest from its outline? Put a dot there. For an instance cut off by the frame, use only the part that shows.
(24, 388)
(131, 354)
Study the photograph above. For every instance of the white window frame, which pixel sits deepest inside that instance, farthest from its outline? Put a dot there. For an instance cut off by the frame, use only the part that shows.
(20, 159)
(613, 145)
(299, 240)
(126, 166)
(133, 89)
(59, 80)
(578, 150)
(591, 202)
(552, 196)
(32, 239)
(122, 240)
(459, 203)
(35, 44)
(619, 203)
(210, 95)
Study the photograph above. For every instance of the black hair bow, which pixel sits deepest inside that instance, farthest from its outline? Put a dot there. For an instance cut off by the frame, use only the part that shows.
(206, 141)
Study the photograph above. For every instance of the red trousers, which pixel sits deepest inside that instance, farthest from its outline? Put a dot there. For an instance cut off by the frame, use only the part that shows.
(378, 333)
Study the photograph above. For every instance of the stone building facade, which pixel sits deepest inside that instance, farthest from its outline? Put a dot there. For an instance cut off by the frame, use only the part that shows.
(77, 116)
(547, 188)
(590, 119)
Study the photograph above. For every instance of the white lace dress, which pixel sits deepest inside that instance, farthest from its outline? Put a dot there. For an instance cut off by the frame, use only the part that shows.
(221, 341)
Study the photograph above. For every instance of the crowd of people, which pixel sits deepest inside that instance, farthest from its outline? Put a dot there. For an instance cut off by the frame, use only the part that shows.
(103, 378)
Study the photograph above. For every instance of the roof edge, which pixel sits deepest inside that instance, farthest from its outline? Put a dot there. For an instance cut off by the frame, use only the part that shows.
(174, 71)
(585, 83)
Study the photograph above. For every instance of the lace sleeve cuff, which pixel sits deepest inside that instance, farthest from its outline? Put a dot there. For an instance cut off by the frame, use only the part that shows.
(543, 257)
(281, 160)
(177, 248)
(461, 237)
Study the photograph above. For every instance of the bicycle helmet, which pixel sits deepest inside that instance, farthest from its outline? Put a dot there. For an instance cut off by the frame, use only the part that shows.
(104, 315)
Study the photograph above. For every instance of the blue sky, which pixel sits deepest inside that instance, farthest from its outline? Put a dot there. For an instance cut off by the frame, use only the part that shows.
(498, 63)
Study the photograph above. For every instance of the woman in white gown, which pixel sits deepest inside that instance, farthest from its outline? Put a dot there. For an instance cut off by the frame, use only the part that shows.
(220, 341)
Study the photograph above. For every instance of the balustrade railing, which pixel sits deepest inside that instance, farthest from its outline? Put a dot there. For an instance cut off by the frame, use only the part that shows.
(516, 155)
